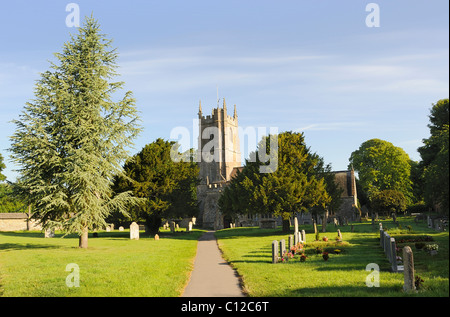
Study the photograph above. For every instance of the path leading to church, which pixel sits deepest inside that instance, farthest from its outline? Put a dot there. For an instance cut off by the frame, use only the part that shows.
(212, 276)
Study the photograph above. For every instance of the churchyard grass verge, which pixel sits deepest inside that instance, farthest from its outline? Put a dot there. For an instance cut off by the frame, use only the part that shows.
(113, 265)
(343, 274)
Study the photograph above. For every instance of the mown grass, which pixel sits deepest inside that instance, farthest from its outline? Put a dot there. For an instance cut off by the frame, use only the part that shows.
(249, 251)
(113, 265)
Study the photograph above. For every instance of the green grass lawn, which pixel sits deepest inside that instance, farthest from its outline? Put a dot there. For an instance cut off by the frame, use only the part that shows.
(249, 251)
(113, 265)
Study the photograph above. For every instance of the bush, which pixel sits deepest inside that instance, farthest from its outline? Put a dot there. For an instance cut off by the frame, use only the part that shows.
(419, 245)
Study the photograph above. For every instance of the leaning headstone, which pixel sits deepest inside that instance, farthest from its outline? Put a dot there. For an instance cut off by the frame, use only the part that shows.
(120, 228)
(134, 231)
(49, 233)
(339, 234)
(408, 269)
(303, 236)
(274, 251)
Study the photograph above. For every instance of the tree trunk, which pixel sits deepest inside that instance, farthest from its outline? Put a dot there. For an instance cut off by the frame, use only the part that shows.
(286, 225)
(83, 239)
(324, 221)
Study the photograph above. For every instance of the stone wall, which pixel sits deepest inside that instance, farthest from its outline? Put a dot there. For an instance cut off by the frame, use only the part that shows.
(17, 222)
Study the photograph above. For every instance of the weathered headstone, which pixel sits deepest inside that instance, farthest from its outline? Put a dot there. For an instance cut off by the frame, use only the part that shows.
(296, 240)
(172, 226)
(156, 237)
(189, 227)
(274, 251)
(282, 247)
(49, 233)
(120, 228)
(108, 229)
(408, 269)
(291, 241)
(381, 237)
(134, 231)
(295, 225)
(339, 234)
(303, 236)
(393, 255)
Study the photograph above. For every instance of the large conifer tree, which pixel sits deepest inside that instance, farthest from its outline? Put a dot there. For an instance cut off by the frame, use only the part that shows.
(72, 139)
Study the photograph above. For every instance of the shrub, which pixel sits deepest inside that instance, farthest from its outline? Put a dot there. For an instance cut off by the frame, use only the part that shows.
(419, 245)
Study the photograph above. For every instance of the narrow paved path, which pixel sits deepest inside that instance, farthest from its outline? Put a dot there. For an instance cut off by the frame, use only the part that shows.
(212, 276)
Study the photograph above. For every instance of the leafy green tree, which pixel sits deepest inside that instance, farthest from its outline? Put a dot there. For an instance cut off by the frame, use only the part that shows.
(168, 189)
(72, 139)
(2, 167)
(292, 188)
(389, 201)
(435, 157)
(380, 166)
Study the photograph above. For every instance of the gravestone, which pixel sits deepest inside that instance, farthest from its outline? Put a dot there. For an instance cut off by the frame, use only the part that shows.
(49, 233)
(393, 256)
(291, 241)
(339, 234)
(189, 227)
(282, 247)
(274, 251)
(172, 226)
(295, 238)
(295, 225)
(134, 231)
(156, 237)
(303, 236)
(108, 229)
(120, 228)
(408, 269)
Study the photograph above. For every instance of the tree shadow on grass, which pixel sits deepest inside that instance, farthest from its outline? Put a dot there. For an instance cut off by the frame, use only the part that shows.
(360, 290)
(27, 246)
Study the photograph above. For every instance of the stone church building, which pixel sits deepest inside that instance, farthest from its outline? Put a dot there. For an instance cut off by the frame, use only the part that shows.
(219, 148)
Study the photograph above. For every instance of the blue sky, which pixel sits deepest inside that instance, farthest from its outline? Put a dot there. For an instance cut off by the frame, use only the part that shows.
(311, 66)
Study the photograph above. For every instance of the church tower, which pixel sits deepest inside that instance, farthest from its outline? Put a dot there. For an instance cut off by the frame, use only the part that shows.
(220, 156)
(219, 145)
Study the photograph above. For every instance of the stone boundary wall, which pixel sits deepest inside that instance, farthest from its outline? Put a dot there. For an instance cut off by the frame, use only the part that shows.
(17, 222)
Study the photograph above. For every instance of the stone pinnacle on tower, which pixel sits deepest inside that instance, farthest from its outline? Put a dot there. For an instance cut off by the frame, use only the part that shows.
(235, 112)
(200, 109)
(224, 105)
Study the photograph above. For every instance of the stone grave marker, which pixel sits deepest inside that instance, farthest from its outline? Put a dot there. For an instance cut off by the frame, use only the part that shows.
(408, 269)
(303, 236)
(282, 247)
(134, 231)
(120, 228)
(274, 251)
(49, 233)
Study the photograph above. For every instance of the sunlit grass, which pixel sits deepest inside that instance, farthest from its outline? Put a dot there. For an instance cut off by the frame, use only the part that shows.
(113, 265)
(249, 251)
